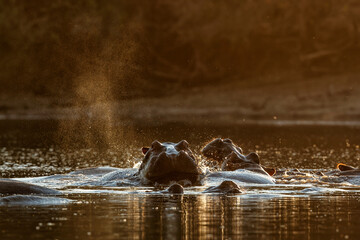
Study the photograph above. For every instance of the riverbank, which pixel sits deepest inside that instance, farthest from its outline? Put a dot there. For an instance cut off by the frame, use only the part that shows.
(270, 100)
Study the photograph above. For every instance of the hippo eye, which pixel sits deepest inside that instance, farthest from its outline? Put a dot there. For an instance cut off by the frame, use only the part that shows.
(182, 144)
(156, 145)
(228, 140)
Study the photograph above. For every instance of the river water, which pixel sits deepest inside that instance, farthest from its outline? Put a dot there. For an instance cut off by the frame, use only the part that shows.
(291, 209)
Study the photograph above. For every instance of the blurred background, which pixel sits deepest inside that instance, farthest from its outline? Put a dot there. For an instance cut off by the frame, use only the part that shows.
(119, 74)
(241, 59)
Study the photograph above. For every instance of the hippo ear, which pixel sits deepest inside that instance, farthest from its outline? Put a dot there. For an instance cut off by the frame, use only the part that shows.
(145, 150)
(183, 144)
(270, 171)
(254, 157)
(228, 140)
(156, 145)
(344, 167)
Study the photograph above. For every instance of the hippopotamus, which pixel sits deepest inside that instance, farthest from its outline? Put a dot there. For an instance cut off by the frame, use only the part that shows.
(251, 162)
(9, 186)
(219, 148)
(342, 173)
(174, 188)
(343, 170)
(162, 163)
(22, 193)
(33, 200)
(165, 162)
(226, 187)
(347, 170)
(232, 158)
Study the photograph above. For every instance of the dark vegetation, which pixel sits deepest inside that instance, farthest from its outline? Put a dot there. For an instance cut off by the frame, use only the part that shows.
(117, 49)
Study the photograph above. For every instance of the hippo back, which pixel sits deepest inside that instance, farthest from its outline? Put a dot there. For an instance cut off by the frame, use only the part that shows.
(8, 186)
(241, 175)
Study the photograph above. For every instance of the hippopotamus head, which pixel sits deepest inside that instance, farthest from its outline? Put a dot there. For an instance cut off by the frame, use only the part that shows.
(174, 188)
(165, 162)
(225, 150)
(219, 149)
(226, 187)
(250, 162)
(343, 167)
(347, 170)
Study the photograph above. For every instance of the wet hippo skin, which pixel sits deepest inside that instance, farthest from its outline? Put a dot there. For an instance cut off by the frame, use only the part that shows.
(226, 187)
(232, 158)
(162, 163)
(234, 162)
(33, 200)
(165, 162)
(174, 188)
(219, 148)
(344, 170)
(8, 186)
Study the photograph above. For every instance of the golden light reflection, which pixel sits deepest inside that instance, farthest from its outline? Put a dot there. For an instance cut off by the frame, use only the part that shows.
(223, 217)
(137, 216)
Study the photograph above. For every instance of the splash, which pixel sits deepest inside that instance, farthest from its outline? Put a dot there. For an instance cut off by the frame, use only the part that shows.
(103, 77)
(93, 114)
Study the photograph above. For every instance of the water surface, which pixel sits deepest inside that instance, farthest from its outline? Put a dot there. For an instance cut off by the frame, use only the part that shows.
(300, 209)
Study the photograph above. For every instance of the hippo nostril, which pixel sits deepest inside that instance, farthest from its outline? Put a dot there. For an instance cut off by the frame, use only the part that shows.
(182, 144)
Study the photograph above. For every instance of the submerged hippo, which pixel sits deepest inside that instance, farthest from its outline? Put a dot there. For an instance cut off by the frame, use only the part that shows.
(251, 162)
(226, 187)
(165, 162)
(342, 173)
(162, 163)
(219, 148)
(33, 200)
(232, 158)
(344, 170)
(347, 170)
(9, 186)
(13, 192)
(22, 193)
